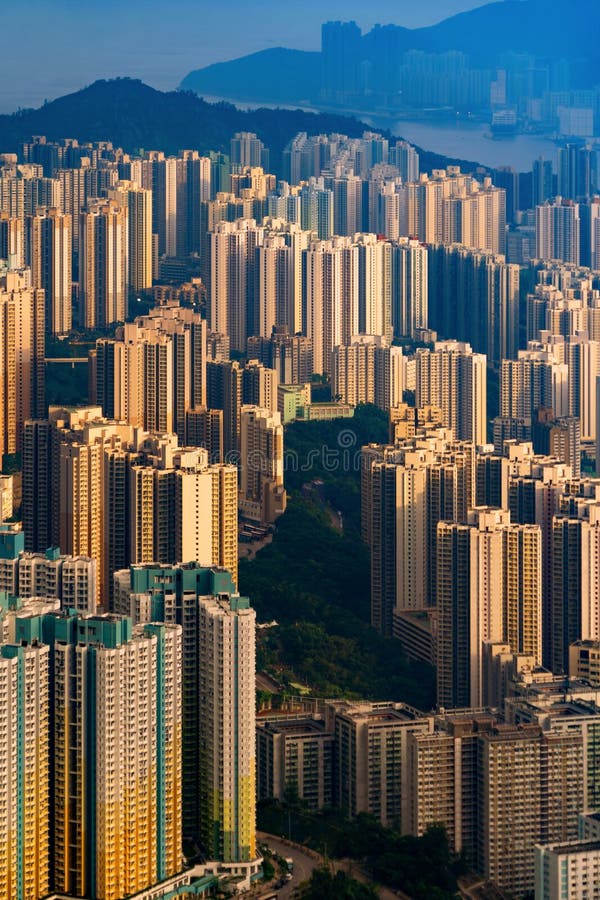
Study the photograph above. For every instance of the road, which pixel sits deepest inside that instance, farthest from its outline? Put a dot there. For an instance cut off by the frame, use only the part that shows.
(249, 550)
(304, 864)
(265, 682)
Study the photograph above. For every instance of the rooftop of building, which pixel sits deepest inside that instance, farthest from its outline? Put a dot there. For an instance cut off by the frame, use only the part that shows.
(592, 814)
(34, 606)
(572, 709)
(381, 715)
(477, 721)
(572, 847)
(295, 727)
(587, 644)
(422, 616)
(505, 732)
(552, 685)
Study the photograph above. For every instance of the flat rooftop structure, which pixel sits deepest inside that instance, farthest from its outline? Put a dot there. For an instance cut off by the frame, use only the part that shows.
(554, 685)
(574, 847)
(382, 716)
(501, 732)
(295, 727)
(573, 708)
(565, 708)
(464, 724)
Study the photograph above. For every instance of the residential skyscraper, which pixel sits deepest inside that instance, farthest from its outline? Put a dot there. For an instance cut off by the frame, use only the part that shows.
(583, 359)
(176, 594)
(374, 286)
(384, 204)
(543, 188)
(204, 428)
(12, 196)
(225, 207)
(272, 287)
(538, 378)
(70, 579)
(246, 149)
(410, 290)
(233, 246)
(489, 588)
(406, 159)
(371, 759)
(340, 42)
(25, 734)
(155, 369)
(262, 494)
(478, 219)
(21, 356)
(163, 184)
(451, 207)
(116, 494)
(567, 867)
(193, 188)
(368, 370)
(453, 378)
(557, 231)
(50, 250)
(224, 391)
(558, 437)
(475, 296)
(138, 202)
(12, 241)
(575, 172)
(347, 203)
(37, 509)
(259, 385)
(103, 265)
(218, 736)
(76, 190)
(116, 730)
(299, 751)
(226, 725)
(405, 491)
(316, 209)
(278, 277)
(331, 297)
(498, 789)
(289, 355)
(549, 774)
(574, 584)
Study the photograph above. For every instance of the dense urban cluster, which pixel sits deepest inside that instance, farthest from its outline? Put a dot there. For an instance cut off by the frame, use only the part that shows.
(547, 81)
(210, 298)
(379, 69)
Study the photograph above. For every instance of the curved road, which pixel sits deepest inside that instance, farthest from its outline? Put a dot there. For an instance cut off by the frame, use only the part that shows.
(304, 864)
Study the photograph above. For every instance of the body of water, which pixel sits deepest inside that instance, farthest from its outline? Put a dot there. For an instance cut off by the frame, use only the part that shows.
(473, 141)
(460, 139)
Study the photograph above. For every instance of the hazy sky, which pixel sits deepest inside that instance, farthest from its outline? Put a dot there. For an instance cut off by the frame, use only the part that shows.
(62, 45)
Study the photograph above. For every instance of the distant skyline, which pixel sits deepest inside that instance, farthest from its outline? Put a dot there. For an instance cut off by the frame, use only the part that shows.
(66, 44)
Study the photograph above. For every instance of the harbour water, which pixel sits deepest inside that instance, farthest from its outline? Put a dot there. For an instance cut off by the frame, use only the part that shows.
(473, 141)
(460, 138)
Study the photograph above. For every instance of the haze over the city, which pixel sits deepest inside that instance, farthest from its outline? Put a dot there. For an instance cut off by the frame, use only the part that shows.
(300, 450)
(70, 43)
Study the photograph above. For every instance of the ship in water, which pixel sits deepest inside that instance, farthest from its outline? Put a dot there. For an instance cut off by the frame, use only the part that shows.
(504, 122)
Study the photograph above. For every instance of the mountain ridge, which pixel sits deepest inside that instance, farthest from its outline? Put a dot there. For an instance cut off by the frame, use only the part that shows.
(134, 116)
(484, 33)
(297, 75)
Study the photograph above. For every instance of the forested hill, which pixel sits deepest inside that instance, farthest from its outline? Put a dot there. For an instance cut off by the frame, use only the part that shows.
(133, 115)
